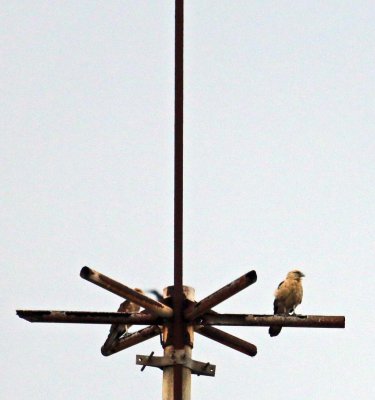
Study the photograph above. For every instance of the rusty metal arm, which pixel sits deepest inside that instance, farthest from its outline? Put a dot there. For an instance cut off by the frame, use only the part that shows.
(153, 306)
(311, 321)
(227, 339)
(220, 295)
(131, 340)
(89, 317)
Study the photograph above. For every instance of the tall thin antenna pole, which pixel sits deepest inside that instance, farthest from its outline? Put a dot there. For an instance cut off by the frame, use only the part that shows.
(178, 340)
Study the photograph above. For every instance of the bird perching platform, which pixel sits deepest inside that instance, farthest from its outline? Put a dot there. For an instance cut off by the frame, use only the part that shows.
(197, 316)
(178, 316)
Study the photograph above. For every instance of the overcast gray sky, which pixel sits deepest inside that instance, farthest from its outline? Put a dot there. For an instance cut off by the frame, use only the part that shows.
(279, 174)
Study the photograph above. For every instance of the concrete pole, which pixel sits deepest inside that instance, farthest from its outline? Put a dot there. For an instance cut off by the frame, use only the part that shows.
(170, 351)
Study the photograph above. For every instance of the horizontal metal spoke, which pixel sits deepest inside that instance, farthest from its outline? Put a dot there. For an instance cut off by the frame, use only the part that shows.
(310, 321)
(88, 317)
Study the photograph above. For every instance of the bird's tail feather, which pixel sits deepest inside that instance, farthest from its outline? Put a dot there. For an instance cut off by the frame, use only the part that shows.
(274, 330)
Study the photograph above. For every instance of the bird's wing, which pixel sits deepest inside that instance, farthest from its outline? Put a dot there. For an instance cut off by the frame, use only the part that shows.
(278, 307)
(284, 290)
(275, 306)
(276, 302)
(289, 295)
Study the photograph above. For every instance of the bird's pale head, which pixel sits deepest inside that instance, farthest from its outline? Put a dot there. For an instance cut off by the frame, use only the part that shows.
(295, 274)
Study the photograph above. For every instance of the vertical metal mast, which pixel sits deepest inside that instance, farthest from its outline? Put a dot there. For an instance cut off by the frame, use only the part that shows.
(178, 341)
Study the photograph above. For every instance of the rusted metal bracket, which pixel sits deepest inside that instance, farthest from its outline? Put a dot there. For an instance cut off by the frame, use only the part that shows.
(178, 357)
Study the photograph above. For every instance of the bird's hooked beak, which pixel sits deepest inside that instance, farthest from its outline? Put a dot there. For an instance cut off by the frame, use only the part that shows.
(302, 274)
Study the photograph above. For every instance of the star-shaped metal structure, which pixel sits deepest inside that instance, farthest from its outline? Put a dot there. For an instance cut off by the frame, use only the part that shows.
(177, 316)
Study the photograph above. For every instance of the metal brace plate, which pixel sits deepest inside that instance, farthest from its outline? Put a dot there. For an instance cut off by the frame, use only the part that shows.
(196, 367)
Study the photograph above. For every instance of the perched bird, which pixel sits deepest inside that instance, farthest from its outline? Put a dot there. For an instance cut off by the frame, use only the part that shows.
(117, 331)
(287, 297)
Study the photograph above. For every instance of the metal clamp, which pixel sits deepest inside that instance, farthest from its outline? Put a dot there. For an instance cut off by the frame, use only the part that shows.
(177, 358)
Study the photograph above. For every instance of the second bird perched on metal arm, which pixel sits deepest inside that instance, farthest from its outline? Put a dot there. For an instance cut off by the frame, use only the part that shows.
(288, 296)
(117, 331)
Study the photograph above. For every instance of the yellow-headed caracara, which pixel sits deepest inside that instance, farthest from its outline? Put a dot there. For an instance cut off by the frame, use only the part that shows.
(117, 331)
(287, 297)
